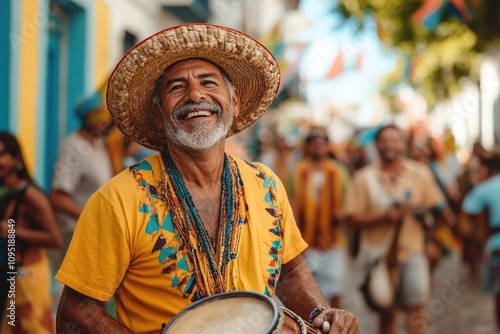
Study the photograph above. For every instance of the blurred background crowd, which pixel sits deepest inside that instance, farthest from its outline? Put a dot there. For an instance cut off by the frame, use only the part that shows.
(430, 68)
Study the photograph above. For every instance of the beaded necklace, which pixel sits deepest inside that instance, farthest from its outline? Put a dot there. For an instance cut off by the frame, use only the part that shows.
(213, 266)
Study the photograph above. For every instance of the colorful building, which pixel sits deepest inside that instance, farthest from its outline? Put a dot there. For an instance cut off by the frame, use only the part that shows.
(56, 51)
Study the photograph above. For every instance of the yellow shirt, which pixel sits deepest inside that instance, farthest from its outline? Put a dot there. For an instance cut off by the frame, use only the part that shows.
(415, 186)
(116, 250)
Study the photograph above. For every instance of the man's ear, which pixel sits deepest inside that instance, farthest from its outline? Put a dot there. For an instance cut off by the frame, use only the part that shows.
(236, 104)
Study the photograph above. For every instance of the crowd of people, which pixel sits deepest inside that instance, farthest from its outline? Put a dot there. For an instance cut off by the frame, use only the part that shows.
(411, 205)
(183, 219)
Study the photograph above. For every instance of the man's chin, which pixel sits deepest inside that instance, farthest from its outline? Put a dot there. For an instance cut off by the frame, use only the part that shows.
(199, 138)
(390, 158)
(198, 143)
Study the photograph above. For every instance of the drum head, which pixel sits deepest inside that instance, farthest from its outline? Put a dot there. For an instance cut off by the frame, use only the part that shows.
(227, 313)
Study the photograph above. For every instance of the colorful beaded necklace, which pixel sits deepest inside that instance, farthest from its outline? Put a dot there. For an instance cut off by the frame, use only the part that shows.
(213, 266)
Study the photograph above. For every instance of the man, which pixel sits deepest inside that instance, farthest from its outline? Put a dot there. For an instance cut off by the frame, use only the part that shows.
(317, 204)
(484, 198)
(371, 205)
(191, 221)
(82, 166)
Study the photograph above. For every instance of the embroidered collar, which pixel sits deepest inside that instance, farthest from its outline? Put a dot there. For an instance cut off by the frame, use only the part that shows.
(213, 266)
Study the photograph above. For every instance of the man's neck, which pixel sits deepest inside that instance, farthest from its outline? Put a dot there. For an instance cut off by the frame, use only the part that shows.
(92, 136)
(200, 169)
(318, 163)
(392, 167)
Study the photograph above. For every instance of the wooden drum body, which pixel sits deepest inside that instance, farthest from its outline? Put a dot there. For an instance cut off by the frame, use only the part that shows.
(240, 312)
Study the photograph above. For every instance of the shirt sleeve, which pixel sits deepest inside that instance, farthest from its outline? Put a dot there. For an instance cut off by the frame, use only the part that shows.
(356, 200)
(473, 203)
(99, 253)
(293, 244)
(67, 171)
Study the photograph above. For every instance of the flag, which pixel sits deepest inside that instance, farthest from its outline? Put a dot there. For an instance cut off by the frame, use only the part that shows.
(429, 13)
(460, 10)
(359, 61)
(337, 66)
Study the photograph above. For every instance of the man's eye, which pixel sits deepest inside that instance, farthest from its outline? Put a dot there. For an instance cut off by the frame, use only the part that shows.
(209, 83)
(174, 88)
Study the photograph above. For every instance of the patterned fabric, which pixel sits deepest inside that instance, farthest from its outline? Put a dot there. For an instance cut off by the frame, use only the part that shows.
(274, 267)
(139, 254)
(33, 304)
(316, 204)
(213, 266)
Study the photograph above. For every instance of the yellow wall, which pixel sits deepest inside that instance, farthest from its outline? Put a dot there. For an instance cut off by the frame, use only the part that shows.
(28, 77)
(101, 43)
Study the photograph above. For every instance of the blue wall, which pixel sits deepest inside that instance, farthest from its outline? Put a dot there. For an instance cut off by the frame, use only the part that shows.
(77, 51)
(60, 120)
(52, 93)
(5, 21)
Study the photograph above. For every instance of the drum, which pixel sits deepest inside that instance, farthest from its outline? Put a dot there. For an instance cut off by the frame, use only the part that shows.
(231, 312)
(293, 324)
(239, 312)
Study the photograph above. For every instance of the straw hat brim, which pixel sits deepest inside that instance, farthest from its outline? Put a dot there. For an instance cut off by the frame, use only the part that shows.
(249, 65)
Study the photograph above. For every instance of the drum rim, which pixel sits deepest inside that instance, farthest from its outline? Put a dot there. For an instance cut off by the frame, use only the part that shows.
(228, 295)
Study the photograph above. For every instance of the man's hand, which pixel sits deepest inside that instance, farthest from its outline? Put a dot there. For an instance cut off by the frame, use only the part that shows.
(336, 321)
(394, 214)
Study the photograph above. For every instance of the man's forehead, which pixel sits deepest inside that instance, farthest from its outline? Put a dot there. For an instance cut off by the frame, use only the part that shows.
(197, 65)
(391, 133)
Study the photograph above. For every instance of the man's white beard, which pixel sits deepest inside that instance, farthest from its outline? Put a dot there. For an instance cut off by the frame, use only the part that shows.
(201, 137)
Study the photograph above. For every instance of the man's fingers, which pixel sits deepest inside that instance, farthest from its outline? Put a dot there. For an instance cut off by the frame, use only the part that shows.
(318, 322)
(337, 322)
(351, 325)
(348, 324)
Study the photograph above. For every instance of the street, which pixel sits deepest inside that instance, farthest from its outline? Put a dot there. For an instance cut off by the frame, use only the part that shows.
(457, 304)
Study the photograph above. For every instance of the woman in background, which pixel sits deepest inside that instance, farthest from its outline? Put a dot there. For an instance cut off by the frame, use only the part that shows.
(25, 212)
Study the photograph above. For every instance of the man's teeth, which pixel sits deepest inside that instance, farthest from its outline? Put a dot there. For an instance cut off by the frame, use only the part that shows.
(198, 113)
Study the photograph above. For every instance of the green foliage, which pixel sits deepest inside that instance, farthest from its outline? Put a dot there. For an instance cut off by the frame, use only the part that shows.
(440, 55)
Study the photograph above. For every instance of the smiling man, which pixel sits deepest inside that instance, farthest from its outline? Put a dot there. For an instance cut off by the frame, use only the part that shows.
(196, 77)
(192, 221)
(381, 200)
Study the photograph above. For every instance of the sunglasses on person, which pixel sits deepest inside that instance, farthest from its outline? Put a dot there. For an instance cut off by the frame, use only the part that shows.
(3, 152)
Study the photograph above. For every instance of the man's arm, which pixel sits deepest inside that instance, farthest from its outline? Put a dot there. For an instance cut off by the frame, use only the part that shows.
(391, 216)
(80, 314)
(357, 206)
(299, 292)
(63, 202)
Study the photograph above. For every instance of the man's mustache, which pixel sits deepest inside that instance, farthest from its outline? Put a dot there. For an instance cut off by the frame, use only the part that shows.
(182, 111)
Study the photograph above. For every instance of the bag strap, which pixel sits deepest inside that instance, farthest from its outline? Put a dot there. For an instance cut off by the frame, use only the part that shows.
(392, 254)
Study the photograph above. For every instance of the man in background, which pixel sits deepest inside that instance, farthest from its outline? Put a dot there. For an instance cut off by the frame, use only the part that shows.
(318, 199)
(484, 197)
(383, 195)
(82, 166)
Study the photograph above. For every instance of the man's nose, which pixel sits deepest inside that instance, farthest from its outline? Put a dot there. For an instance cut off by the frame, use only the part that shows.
(195, 94)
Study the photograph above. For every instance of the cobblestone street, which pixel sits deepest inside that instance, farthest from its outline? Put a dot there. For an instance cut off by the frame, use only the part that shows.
(457, 305)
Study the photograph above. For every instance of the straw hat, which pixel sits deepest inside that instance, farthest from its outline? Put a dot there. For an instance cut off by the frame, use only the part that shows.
(248, 64)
